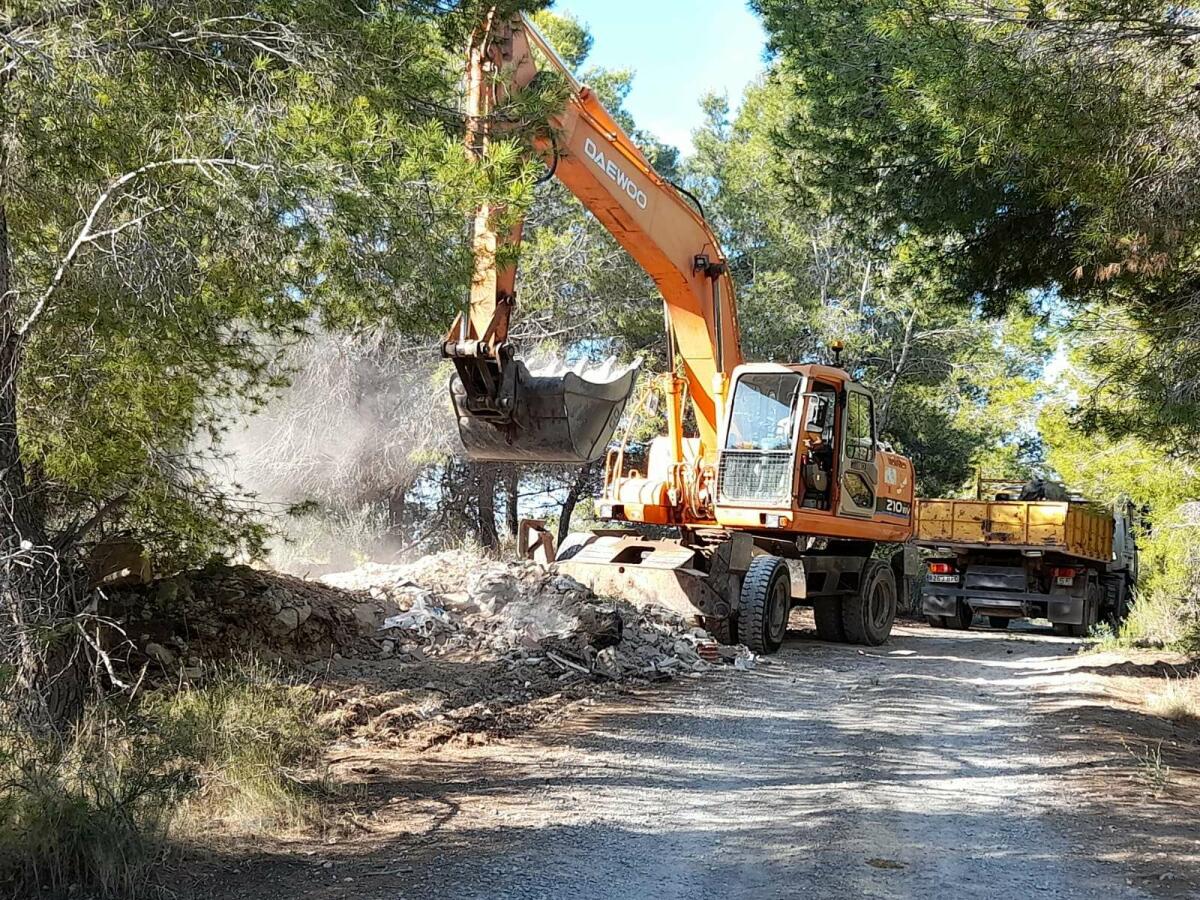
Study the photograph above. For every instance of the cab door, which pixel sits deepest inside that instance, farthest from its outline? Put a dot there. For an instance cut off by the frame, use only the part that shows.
(857, 470)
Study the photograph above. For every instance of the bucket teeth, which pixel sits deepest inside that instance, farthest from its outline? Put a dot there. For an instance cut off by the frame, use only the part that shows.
(555, 418)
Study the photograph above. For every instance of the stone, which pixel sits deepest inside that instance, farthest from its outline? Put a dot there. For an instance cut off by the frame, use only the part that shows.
(367, 617)
(290, 618)
(159, 654)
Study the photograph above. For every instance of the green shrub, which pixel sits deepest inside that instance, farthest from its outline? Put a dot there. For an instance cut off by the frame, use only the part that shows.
(87, 814)
(90, 814)
(1166, 611)
(249, 734)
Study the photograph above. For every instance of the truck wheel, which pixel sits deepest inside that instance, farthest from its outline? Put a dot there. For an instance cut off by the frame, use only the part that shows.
(828, 613)
(764, 603)
(1000, 622)
(1091, 613)
(1116, 600)
(868, 615)
(961, 620)
(935, 622)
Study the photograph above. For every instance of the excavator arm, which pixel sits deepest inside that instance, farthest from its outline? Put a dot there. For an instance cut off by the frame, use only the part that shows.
(507, 412)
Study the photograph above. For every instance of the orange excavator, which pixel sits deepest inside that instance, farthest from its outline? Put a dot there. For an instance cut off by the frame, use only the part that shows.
(782, 493)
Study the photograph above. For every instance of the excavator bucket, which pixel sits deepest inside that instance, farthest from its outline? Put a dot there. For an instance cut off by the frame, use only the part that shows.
(555, 415)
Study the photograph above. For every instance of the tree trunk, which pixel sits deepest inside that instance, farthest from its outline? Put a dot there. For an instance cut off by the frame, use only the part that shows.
(40, 591)
(574, 492)
(511, 496)
(486, 485)
(396, 504)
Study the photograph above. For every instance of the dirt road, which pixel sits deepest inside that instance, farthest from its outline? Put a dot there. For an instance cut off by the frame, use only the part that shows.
(932, 766)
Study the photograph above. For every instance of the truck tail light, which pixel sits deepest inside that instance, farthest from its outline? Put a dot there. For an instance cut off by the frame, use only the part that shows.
(942, 573)
(1064, 575)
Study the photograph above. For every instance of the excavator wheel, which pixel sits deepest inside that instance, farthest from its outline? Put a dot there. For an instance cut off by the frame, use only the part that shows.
(720, 628)
(828, 613)
(764, 604)
(868, 615)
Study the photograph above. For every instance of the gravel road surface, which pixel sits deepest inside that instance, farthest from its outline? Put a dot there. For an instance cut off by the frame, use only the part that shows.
(917, 769)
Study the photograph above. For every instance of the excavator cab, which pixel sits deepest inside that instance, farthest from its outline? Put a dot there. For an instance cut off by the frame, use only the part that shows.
(551, 414)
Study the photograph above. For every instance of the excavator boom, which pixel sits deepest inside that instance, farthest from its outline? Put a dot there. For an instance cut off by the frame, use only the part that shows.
(508, 412)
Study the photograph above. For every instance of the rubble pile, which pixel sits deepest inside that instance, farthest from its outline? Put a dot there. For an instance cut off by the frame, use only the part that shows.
(178, 624)
(451, 646)
(458, 603)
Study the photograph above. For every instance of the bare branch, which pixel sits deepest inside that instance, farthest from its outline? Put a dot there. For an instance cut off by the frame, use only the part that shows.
(86, 235)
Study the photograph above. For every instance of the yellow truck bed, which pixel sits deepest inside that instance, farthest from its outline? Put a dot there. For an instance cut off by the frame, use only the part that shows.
(1074, 529)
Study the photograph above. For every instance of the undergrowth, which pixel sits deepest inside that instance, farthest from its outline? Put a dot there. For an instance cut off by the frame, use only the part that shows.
(1178, 699)
(92, 813)
(251, 738)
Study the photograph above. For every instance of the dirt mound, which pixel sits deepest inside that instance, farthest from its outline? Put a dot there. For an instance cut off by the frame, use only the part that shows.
(486, 648)
(448, 646)
(455, 601)
(224, 612)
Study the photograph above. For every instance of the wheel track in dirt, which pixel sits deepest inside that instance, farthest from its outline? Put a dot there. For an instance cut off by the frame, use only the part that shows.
(914, 769)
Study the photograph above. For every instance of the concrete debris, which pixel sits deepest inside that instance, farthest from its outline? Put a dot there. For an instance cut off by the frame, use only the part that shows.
(456, 602)
(454, 646)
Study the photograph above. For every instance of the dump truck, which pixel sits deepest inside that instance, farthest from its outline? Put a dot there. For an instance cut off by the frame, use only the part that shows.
(1025, 551)
(771, 474)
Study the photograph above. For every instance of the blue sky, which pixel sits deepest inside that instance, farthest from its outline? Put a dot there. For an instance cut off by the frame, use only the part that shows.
(679, 49)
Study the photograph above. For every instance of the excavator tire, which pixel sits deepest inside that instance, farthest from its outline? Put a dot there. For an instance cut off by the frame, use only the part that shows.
(720, 628)
(868, 615)
(828, 613)
(764, 604)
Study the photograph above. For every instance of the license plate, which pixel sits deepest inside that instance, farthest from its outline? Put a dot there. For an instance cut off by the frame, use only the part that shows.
(944, 579)
(1067, 580)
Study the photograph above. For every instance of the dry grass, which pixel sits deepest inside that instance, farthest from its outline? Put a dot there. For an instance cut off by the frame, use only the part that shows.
(1178, 699)
(85, 815)
(254, 740)
(91, 814)
(1152, 771)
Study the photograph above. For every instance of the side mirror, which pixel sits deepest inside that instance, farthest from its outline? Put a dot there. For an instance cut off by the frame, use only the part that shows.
(818, 411)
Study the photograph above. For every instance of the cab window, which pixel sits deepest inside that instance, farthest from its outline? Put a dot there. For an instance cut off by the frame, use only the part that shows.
(765, 405)
(860, 427)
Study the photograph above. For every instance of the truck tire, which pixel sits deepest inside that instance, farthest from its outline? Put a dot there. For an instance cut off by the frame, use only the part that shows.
(1091, 612)
(867, 616)
(828, 613)
(999, 622)
(1116, 600)
(961, 620)
(764, 603)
